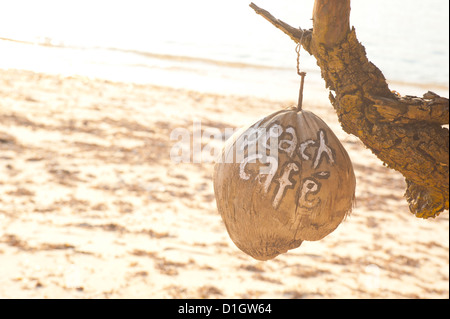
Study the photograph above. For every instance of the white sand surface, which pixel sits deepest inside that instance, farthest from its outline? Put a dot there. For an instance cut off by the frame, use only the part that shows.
(91, 206)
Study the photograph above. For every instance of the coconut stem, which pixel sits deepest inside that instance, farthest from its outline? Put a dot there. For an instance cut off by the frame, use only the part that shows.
(300, 95)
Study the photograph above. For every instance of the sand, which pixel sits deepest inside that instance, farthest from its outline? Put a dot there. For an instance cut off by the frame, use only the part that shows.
(91, 205)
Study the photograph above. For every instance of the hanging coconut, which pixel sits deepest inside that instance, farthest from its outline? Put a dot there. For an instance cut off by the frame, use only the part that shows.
(281, 181)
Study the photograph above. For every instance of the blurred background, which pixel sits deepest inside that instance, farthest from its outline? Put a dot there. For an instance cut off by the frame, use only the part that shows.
(91, 205)
(215, 46)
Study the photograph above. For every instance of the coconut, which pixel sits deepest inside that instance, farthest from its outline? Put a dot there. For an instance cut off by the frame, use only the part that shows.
(283, 180)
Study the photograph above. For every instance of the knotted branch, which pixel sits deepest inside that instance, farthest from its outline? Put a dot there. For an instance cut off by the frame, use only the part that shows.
(404, 132)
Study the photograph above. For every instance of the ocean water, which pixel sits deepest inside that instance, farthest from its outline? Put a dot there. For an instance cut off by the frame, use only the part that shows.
(221, 47)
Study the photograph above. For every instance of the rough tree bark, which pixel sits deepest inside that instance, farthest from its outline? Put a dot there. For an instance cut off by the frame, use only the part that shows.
(404, 132)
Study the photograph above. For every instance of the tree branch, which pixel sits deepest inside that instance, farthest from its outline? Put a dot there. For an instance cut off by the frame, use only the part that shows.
(334, 20)
(410, 109)
(403, 132)
(295, 34)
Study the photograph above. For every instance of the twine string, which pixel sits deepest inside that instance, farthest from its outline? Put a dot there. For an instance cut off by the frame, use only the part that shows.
(302, 75)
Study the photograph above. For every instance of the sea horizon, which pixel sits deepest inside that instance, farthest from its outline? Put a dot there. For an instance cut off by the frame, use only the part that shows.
(246, 56)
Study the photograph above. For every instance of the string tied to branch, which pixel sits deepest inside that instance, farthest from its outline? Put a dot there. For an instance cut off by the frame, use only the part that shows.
(300, 73)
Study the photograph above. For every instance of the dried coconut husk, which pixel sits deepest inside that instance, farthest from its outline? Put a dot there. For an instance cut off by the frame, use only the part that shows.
(272, 202)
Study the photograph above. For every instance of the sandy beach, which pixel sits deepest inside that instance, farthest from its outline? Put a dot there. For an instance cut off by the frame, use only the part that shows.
(91, 205)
